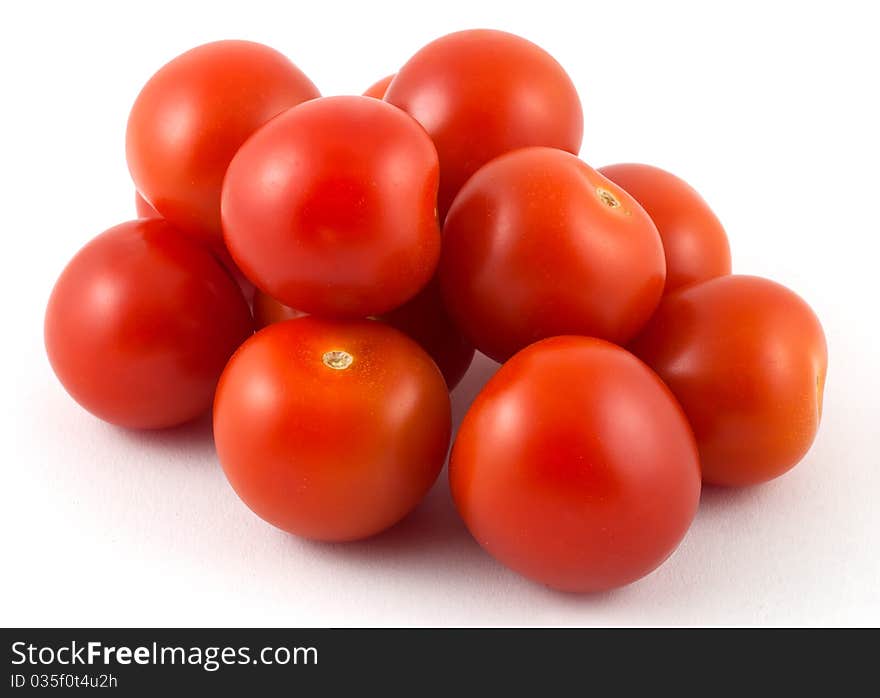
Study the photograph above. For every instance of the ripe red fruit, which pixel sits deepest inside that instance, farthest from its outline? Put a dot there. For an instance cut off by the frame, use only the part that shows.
(377, 89)
(423, 318)
(481, 93)
(694, 241)
(331, 430)
(538, 244)
(193, 115)
(575, 466)
(331, 207)
(140, 324)
(746, 359)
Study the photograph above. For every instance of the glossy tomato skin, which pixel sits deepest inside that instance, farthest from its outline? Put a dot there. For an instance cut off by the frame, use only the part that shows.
(694, 240)
(331, 430)
(268, 311)
(141, 323)
(331, 207)
(575, 466)
(193, 115)
(423, 318)
(378, 89)
(746, 358)
(144, 210)
(481, 93)
(539, 244)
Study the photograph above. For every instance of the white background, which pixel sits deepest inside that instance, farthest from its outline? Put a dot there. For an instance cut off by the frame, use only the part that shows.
(769, 109)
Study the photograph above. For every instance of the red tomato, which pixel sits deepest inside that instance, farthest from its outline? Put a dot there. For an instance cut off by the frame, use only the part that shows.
(192, 116)
(331, 207)
(331, 430)
(575, 466)
(377, 89)
(141, 323)
(423, 319)
(481, 93)
(144, 210)
(746, 358)
(539, 244)
(694, 241)
(268, 311)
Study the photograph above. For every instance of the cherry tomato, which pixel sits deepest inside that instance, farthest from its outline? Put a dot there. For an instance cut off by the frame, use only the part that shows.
(192, 116)
(575, 466)
(144, 210)
(694, 241)
(141, 323)
(539, 244)
(331, 430)
(746, 359)
(423, 319)
(480, 93)
(268, 311)
(377, 89)
(331, 207)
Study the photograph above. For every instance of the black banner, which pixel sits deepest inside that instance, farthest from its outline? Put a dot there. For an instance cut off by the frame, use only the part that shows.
(328, 662)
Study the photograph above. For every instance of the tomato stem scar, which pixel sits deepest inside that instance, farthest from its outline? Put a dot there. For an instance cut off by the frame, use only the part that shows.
(338, 360)
(607, 198)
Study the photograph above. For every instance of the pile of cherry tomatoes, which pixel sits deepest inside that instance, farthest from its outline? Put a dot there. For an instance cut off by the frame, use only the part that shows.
(374, 242)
